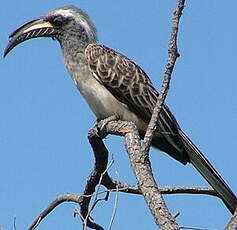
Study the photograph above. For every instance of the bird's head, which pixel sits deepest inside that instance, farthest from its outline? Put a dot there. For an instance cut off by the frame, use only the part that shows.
(66, 24)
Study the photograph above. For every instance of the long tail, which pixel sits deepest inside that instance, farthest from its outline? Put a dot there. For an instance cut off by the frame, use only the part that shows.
(200, 162)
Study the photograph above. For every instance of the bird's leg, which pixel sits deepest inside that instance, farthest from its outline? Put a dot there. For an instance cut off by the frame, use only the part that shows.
(101, 124)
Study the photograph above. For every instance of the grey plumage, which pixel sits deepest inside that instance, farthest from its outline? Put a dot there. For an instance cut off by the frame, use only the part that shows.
(112, 84)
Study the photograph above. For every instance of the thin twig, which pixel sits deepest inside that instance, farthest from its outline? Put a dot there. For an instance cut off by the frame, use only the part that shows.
(64, 198)
(115, 209)
(113, 185)
(96, 200)
(172, 56)
(14, 223)
(192, 228)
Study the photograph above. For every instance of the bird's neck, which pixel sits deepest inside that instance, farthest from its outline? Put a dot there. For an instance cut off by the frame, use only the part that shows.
(73, 49)
(74, 44)
(74, 56)
(75, 60)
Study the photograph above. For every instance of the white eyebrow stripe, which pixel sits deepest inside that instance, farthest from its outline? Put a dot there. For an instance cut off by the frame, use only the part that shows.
(64, 13)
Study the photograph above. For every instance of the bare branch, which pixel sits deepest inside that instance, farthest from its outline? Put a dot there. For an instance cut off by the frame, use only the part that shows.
(101, 161)
(64, 198)
(143, 172)
(172, 56)
(146, 182)
(121, 187)
(113, 185)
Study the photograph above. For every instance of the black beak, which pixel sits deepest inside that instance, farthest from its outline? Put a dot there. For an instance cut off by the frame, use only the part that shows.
(32, 29)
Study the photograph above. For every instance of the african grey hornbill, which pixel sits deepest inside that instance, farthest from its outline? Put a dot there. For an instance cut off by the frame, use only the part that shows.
(112, 84)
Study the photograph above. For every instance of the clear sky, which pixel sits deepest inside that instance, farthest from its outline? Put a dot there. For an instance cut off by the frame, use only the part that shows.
(44, 120)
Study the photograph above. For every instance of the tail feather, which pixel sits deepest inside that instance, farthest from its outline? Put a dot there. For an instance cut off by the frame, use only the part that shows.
(200, 162)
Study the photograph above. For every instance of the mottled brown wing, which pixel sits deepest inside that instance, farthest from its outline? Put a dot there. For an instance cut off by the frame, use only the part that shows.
(123, 78)
(129, 84)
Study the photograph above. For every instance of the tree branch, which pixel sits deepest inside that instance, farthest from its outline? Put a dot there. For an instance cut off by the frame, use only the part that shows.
(142, 169)
(113, 185)
(172, 56)
(99, 175)
(64, 198)
(117, 186)
(101, 161)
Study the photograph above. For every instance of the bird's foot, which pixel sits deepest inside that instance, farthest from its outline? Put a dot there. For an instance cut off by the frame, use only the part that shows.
(101, 125)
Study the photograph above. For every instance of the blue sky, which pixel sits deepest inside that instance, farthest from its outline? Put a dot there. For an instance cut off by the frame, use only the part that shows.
(44, 121)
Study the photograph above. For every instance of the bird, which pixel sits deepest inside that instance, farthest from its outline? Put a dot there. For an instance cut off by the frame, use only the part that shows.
(114, 85)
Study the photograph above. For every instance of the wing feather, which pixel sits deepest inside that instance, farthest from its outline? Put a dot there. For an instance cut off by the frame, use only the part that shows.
(130, 85)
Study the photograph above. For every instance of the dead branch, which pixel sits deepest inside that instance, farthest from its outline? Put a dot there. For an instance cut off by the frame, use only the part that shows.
(64, 198)
(101, 159)
(172, 56)
(111, 184)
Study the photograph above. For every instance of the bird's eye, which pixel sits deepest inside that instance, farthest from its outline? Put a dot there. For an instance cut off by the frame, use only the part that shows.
(58, 21)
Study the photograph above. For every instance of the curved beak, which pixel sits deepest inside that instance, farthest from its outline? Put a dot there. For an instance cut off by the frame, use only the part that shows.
(32, 29)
